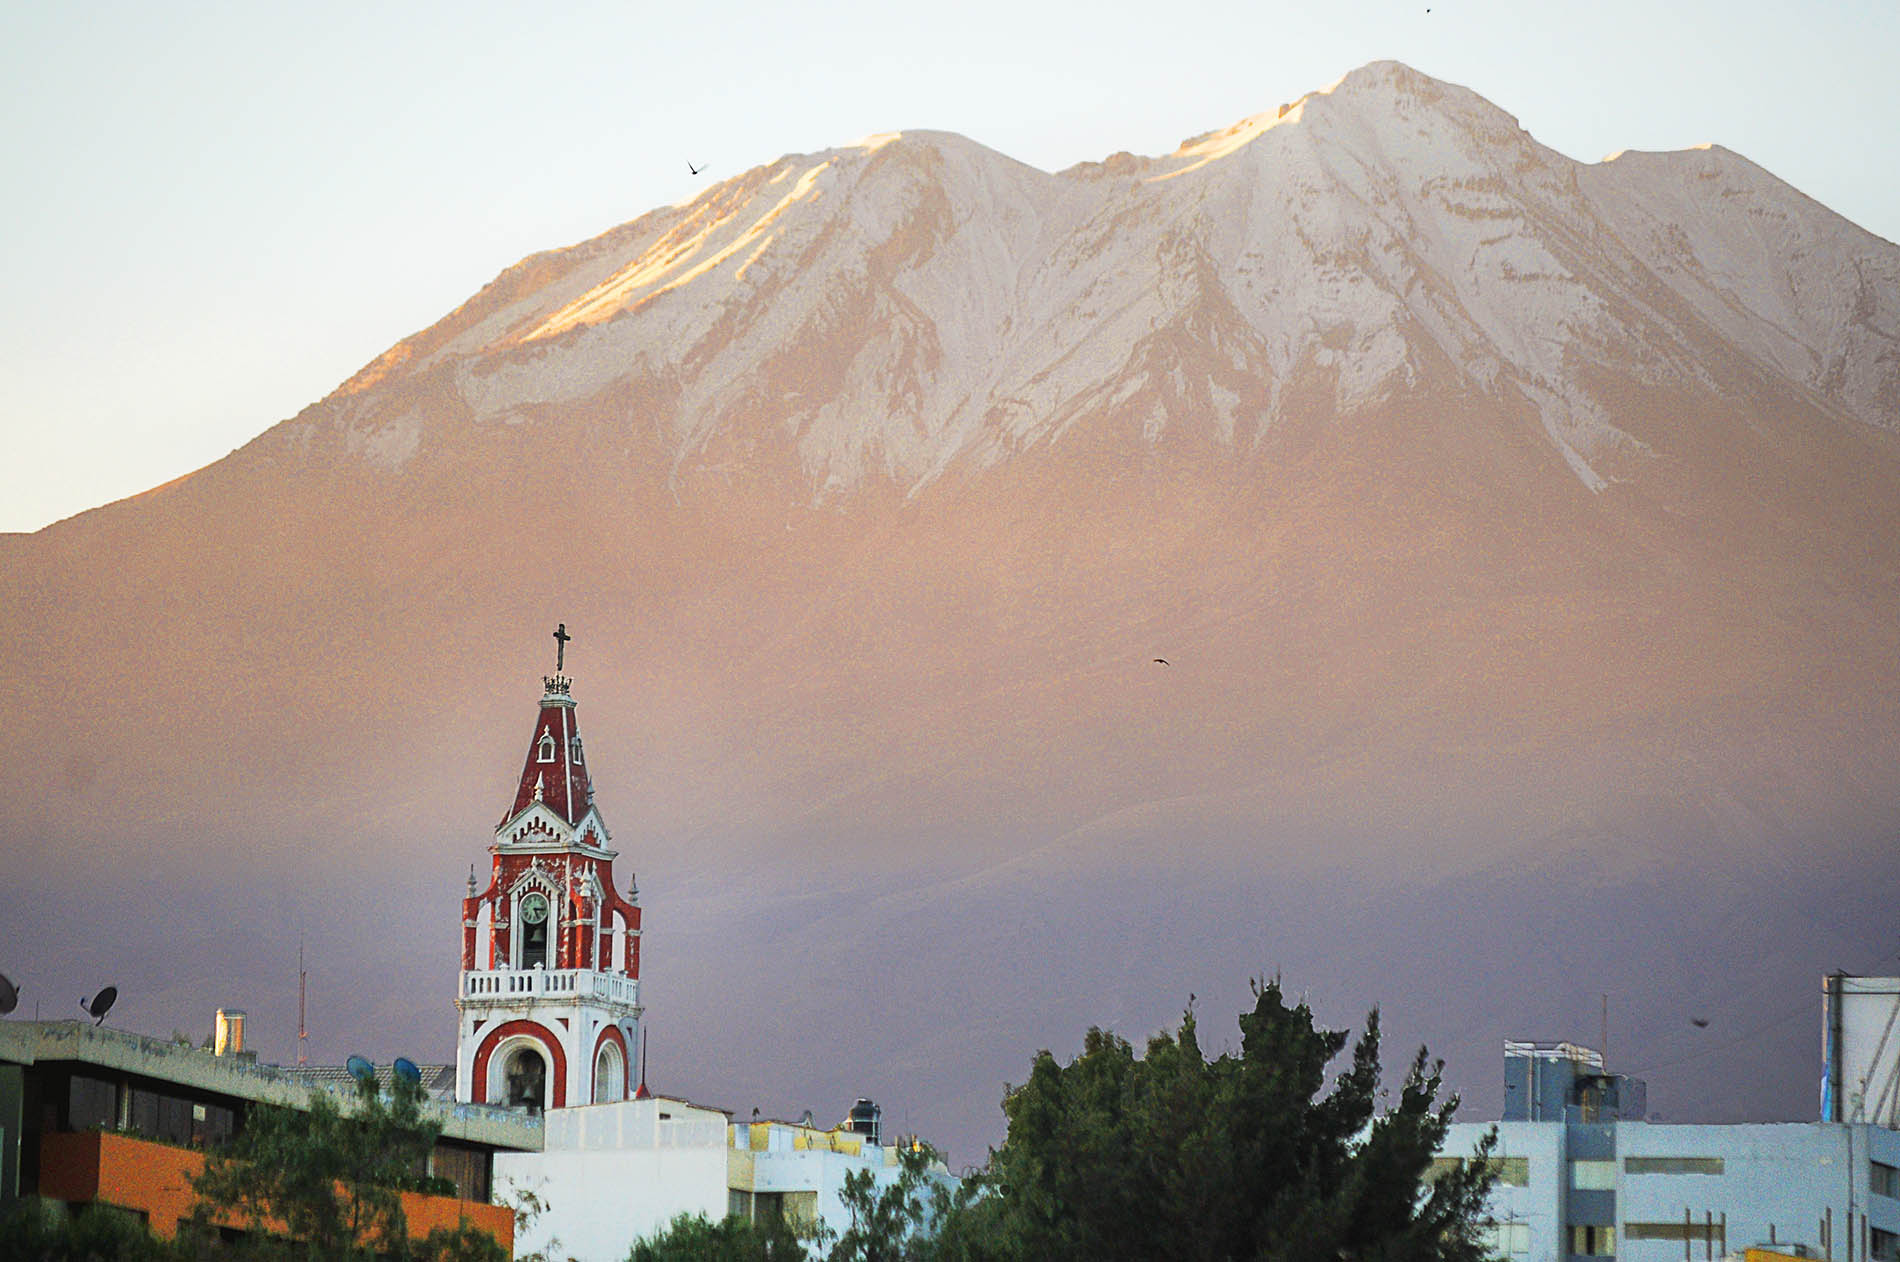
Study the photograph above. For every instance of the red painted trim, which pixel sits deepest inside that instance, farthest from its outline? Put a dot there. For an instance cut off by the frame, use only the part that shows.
(612, 1035)
(557, 1060)
(471, 917)
(611, 902)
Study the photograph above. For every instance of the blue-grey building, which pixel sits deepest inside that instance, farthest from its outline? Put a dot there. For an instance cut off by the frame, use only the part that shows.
(1582, 1175)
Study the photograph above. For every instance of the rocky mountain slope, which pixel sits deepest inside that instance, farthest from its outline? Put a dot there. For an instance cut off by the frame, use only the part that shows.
(1521, 535)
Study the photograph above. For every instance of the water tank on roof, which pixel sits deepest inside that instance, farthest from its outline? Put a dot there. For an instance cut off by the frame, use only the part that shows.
(865, 1119)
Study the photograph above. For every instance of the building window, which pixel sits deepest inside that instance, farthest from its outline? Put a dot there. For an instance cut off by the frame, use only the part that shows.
(546, 753)
(1591, 1241)
(1510, 1172)
(1703, 1232)
(574, 751)
(1507, 1238)
(162, 1117)
(92, 1104)
(212, 1125)
(1885, 1180)
(1592, 1176)
(1672, 1165)
(1884, 1246)
(173, 1120)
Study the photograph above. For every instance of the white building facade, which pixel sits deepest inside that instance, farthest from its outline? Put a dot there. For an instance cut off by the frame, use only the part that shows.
(611, 1174)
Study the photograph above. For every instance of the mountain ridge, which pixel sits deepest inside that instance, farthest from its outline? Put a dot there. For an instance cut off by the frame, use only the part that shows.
(1508, 287)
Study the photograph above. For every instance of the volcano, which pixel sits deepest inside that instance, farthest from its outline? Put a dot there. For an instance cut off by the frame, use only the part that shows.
(1521, 537)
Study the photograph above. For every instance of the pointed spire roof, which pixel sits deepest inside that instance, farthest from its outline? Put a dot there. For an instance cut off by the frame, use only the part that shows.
(555, 772)
(641, 1092)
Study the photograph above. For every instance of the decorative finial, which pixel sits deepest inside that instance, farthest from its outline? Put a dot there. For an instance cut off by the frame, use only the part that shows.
(471, 880)
(561, 637)
(633, 889)
(537, 788)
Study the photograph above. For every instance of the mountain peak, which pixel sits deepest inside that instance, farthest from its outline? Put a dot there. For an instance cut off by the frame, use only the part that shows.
(914, 302)
(1383, 74)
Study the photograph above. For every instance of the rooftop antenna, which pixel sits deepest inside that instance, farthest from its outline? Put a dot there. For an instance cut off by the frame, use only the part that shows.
(9, 995)
(303, 1035)
(100, 1004)
(406, 1070)
(1606, 1032)
(360, 1068)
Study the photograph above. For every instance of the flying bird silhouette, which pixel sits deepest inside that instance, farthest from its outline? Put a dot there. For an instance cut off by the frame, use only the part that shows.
(693, 169)
(1700, 1023)
(1162, 661)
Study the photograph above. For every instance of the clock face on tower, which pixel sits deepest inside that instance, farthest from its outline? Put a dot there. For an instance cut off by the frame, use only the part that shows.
(534, 909)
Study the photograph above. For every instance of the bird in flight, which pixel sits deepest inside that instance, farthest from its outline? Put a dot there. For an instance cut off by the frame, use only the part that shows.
(693, 169)
(1700, 1023)
(1162, 661)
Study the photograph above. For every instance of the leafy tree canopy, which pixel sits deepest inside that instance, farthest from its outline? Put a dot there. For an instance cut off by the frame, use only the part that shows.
(1245, 1156)
(31, 1232)
(695, 1238)
(327, 1181)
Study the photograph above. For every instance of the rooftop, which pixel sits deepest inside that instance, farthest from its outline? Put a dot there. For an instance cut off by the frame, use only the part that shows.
(35, 1042)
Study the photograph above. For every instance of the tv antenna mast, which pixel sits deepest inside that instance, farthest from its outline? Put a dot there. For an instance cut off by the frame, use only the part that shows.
(303, 1035)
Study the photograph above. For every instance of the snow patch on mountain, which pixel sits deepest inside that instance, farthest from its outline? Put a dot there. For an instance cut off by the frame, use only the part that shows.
(898, 307)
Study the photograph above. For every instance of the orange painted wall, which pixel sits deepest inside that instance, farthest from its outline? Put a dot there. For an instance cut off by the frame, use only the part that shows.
(156, 1179)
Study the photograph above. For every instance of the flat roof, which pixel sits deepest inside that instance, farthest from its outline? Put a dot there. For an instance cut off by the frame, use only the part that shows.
(81, 1043)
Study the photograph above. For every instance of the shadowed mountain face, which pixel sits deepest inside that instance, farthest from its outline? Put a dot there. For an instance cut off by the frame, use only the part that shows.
(1522, 537)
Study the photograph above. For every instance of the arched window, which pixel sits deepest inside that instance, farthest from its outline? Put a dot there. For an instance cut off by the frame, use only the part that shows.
(610, 1075)
(546, 747)
(574, 751)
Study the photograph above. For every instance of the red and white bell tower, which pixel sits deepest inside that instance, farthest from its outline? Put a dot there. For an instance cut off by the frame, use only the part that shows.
(549, 1005)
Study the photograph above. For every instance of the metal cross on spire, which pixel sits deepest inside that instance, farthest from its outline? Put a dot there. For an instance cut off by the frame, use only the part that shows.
(561, 637)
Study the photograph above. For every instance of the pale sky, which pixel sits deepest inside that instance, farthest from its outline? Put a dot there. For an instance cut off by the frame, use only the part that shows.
(214, 214)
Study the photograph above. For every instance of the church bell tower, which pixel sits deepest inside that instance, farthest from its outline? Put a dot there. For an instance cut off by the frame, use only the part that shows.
(549, 1004)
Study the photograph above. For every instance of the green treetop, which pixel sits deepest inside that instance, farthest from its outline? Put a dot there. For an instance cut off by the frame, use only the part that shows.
(1247, 1156)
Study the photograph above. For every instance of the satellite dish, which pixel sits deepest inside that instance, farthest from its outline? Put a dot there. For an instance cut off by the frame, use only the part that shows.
(100, 1004)
(360, 1068)
(406, 1070)
(9, 995)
